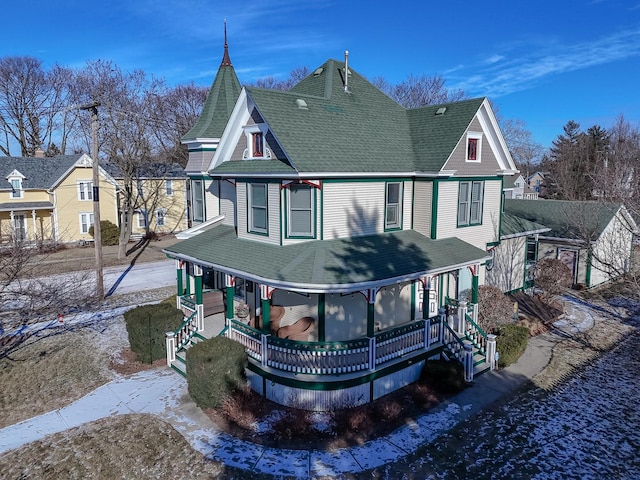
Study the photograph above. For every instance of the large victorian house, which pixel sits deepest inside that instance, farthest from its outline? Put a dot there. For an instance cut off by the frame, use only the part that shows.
(331, 226)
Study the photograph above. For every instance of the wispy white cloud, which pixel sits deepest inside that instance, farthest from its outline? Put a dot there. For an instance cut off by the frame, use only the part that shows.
(501, 78)
(494, 59)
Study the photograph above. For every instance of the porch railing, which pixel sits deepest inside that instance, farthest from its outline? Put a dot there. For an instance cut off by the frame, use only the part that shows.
(249, 337)
(401, 340)
(176, 341)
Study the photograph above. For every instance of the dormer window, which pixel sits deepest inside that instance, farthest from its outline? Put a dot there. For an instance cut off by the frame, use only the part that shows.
(16, 188)
(474, 145)
(256, 147)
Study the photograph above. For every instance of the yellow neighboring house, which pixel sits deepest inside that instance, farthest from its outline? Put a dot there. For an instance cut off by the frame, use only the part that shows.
(51, 198)
(160, 197)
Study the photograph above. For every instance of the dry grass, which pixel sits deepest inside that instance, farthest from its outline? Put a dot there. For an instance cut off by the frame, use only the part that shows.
(50, 374)
(129, 446)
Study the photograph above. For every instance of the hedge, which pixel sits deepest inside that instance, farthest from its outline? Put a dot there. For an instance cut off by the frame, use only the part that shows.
(109, 233)
(445, 376)
(147, 327)
(215, 370)
(511, 343)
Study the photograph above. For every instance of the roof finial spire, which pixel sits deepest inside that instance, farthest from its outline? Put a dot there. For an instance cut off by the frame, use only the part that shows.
(225, 58)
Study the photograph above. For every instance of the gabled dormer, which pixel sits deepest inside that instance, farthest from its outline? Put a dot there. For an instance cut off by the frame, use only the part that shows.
(15, 178)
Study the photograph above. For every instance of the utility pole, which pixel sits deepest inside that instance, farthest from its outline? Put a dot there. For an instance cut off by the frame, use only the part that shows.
(97, 231)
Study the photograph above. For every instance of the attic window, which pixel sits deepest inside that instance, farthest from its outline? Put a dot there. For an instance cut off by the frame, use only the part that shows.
(441, 110)
(318, 71)
(16, 187)
(256, 145)
(474, 147)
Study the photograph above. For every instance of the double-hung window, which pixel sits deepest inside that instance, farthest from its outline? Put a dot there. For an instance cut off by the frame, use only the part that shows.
(16, 188)
(470, 203)
(161, 213)
(198, 201)
(258, 218)
(85, 190)
(301, 211)
(393, 206)
(142, 218)
(168, 187)
(86, 222)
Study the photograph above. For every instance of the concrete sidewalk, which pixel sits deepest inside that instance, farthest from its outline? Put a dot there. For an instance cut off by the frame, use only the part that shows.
(164, 393)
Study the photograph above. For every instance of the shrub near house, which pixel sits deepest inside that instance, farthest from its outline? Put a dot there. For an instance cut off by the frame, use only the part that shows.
(147, 326)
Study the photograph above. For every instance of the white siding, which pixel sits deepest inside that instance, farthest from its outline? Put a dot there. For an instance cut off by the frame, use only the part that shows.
(507, 273)
(478, 235)
(612, 252)
(353, 209)
(422, 208)
(273, 212)
(402, 378)
(406, 207)
(318, 400)
(211, 198)
(228, 203)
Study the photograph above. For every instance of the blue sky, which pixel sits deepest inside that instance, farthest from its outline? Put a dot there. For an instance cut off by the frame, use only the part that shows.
(545, 62)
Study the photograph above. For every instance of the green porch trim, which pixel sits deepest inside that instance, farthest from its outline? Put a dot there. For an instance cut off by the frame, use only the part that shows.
(475, 280)
(425, 302)
(342, 384)
(588, 272)
(202, 149)
(371, 309)
(198, 177)
(198, 287)
(187, 289)
(413, 202)
(468, 179)
(321, 317)
(501, 208)
(434, 210)
(266, 315)
(440, 293)
(229, 295)
(179, 281)
(492, 244)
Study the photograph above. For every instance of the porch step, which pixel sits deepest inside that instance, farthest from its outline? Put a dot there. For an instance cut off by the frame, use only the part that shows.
(177, 369)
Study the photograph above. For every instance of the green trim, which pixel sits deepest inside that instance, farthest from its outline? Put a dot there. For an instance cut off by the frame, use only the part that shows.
(179, 281)
(434, 209)
(440, 293)
(202, 150)
(266, 315)
(588, 272)
(198, 177)
(493, 244)
(321, 317)
(413, 202)
(468, 179)
(229, 296)
(366, 180)
(501, 210)
(371, 309)
(198, 287)
(342, 384)
(321, 213)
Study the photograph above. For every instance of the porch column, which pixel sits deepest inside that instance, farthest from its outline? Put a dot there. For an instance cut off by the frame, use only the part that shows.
(474, 284)
(35, 225)
(462, 318)
(265, 304)
(197, 272)
(187, 290)
(179, 277)
(229, 282)
(426, 287)
(490, 356)
(371, 304)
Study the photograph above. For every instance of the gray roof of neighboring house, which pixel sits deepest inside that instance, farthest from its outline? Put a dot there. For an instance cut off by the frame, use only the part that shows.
(41, 173)
(566, 219)
(336, 264)
(360, 131)
(149, 170)
(9, 206)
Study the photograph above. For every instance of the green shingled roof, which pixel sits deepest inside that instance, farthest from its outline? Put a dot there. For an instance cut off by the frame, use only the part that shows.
(566, 219)
(360, 131)
(513, 226)
(40, 173)
(218, 106)
(337, 264)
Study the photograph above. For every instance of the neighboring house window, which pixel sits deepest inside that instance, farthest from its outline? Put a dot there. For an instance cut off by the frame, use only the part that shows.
(85, 190)
(258, 208)
(532, 250)
(140, 189)
(301, 211)
(168, 188)
(142, 218)
(474, 142)
(16, 188)
(198, 201)
(393, 205)
(161, 213)
(470, 203)
(86, 222)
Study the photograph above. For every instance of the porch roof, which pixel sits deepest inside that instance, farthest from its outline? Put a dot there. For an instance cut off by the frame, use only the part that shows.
(339, 265)
(16, 206)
